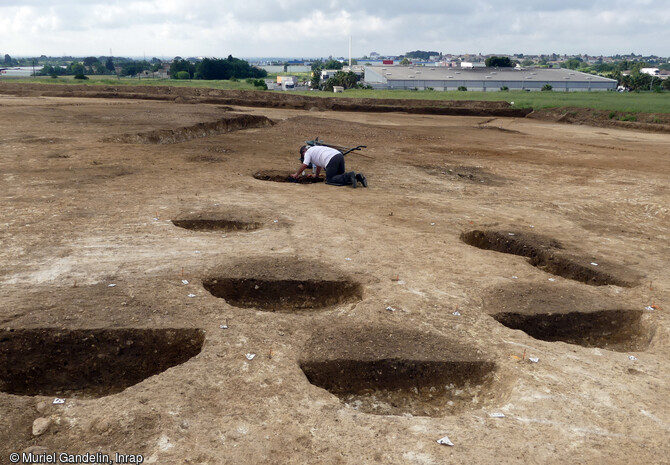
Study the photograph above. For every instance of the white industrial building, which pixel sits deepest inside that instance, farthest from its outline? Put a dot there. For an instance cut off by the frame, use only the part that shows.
(484, 79)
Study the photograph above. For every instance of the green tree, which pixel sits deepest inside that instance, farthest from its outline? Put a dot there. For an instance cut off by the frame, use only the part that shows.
(76, 68)
(405, 62)
(90, 61)
(109, 64)
(182, 75)
(498, 62)
(572, 63)
(131, 69)
(315, 82)
(347, 80)
(99, 68)
(231, 67)
(547, 87)
(50, 70)
(421, 55)
(333, 64)
(8, 60)
(181, 65)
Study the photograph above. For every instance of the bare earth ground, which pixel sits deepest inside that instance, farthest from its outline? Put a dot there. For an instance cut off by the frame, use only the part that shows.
(375, 315)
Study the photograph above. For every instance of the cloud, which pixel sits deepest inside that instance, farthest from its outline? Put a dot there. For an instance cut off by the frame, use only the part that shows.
(297, 28)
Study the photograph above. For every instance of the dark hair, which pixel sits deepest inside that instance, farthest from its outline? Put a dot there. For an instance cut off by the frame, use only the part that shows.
(303, 149)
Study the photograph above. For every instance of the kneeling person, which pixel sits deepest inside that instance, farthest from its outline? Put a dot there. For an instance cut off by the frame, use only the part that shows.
(333, 162)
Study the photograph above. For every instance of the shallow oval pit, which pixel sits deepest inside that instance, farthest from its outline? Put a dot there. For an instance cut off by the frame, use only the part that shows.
(283, 295)
(617, 330)
(547, 255)
(89, 363)
(216, 224)
(565, 312)
(281, 176)
(386, 371)
(282, 284)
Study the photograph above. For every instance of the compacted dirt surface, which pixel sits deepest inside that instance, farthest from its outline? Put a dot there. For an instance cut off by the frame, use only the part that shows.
(502, 282)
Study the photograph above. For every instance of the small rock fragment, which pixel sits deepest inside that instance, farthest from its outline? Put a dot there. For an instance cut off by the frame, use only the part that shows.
(445, 441)
(42, 406)
(40, 425)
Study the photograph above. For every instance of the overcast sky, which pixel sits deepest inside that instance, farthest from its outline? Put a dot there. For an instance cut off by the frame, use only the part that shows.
(292, 28)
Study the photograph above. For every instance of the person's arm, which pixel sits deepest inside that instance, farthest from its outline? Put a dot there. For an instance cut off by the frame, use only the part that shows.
(302, 168)
(318, 171)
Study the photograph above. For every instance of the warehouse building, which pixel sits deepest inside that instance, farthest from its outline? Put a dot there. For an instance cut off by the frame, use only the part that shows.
(483, 79)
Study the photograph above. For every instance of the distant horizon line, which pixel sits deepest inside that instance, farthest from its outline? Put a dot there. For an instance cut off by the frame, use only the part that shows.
(307, 58)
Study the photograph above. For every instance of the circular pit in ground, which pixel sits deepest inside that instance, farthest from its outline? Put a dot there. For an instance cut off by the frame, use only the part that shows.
(547, 254)
(575, 315)
(89, 362)
(617, 330)
(282, 285)
(216, 224)
(390, 371)
(281, 176)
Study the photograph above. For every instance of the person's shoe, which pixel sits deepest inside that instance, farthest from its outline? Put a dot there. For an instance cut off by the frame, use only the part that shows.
(352, 178)
(360, 177)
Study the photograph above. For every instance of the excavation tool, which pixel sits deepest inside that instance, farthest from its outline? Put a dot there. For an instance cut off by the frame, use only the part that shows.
(343, 150)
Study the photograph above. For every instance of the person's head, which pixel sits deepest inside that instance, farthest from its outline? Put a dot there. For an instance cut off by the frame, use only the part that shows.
(303, 149)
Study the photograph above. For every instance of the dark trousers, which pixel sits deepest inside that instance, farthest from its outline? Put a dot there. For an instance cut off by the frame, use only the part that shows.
(335, 171)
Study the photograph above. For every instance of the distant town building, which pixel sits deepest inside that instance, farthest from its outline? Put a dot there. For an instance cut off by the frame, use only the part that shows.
(287, 82)
(483, 79)
(472, 64)
(650, 71)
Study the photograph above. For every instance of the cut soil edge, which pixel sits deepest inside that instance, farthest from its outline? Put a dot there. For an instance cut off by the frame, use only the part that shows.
(278, 176)
(387, 371)
(283, 295)
(616, 330)
(544, 254)
(215, 224)
(90, 363)
(200, 130)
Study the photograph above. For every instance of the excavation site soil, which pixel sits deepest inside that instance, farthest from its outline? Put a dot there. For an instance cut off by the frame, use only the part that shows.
(165, 291)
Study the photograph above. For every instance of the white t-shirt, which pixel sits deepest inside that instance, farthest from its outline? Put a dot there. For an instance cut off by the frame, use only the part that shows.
(319, 155)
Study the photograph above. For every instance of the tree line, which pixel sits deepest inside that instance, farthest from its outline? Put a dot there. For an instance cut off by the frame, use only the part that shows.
(179, 68)
(215, 69)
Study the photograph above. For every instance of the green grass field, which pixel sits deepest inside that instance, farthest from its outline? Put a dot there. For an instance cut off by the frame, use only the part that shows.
(646, 102)
(632, 102)
(125, 81)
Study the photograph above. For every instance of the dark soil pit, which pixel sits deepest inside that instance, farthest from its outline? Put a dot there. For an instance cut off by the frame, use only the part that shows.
(388, 371)
(282, 285)
(547, 254)
(472, 174)
(89, 362)
(281, 176)
(215, 224)
(574, 314)
(498, 128)
(283, 294)
(617, 330)
(205, 159)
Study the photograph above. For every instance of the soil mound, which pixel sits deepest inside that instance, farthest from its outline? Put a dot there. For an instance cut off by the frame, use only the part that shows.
(174, 136)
